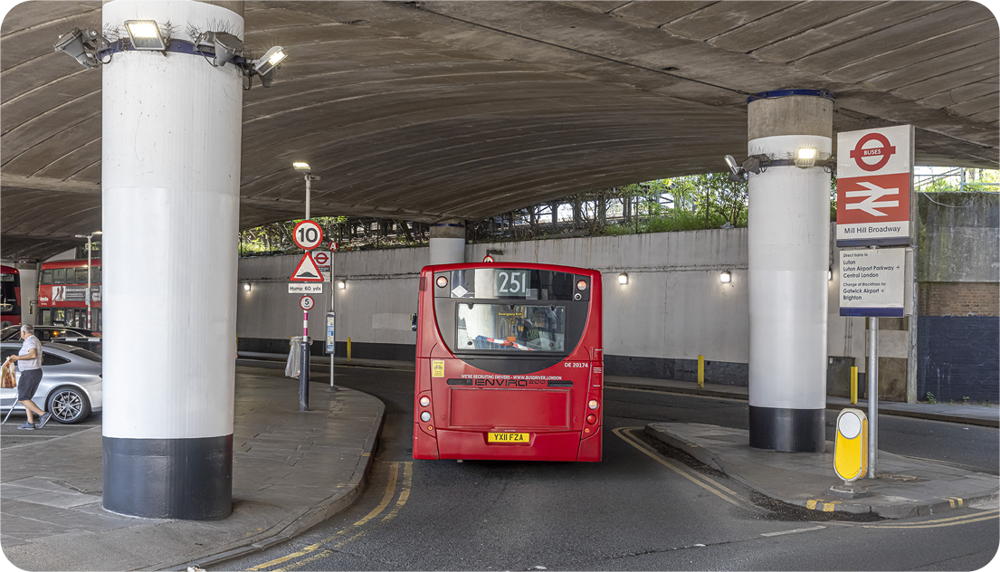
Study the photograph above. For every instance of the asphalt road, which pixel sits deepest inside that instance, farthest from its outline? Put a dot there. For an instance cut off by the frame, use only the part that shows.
(630, 512)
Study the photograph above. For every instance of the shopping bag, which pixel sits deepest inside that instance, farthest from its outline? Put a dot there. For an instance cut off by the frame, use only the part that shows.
(9, 380)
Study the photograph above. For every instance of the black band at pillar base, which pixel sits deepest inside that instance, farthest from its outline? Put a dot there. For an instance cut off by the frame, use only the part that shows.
(789, 430)
(190, 479)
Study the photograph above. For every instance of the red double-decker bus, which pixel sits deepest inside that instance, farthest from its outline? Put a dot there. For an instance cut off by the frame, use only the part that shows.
(62, 294)
(10, 296)
(509, 363)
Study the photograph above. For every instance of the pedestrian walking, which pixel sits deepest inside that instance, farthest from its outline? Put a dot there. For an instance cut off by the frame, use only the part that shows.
(29, 363)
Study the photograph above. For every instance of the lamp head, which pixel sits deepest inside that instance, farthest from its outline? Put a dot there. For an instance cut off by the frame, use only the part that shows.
(227, 47)
(733, 165)
(271, 59)
(302, 167)
(72, 44)
(145, 35)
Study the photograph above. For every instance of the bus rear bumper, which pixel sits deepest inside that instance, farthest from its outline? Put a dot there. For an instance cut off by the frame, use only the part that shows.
(472, 445)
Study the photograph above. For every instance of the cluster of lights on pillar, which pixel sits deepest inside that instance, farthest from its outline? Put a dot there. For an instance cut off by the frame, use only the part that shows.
(92, 49)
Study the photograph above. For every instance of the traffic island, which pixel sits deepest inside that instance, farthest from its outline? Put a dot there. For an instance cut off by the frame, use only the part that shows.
(905, 488)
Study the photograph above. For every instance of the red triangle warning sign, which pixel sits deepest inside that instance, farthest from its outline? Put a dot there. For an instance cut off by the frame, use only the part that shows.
(307, 271)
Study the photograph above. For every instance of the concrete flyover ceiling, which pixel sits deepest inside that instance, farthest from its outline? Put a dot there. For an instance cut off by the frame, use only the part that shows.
(461, 110)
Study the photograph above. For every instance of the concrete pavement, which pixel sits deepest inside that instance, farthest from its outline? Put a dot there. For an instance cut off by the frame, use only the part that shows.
(291, 471)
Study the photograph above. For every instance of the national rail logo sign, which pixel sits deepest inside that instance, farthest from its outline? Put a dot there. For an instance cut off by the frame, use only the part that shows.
(874, 182)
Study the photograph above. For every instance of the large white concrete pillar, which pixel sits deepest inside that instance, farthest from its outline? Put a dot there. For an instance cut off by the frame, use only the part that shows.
(170, 178)
(789, 244)
(447, 242)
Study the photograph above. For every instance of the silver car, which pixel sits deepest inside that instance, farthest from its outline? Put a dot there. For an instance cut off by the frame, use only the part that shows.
(71, 382)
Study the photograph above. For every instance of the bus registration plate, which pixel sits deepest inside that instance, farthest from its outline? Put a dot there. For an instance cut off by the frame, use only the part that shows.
(508, 438)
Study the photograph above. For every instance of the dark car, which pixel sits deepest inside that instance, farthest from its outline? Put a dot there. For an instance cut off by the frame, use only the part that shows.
(78, 337)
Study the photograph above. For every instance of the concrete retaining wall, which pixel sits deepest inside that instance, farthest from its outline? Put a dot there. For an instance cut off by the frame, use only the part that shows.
(673, 309)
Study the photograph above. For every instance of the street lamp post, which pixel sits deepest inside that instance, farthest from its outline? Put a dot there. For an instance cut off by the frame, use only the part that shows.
(89, 238)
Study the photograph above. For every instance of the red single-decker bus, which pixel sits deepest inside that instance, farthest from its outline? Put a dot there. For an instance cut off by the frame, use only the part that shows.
(62, 294)
(509, 363)
(10, 296)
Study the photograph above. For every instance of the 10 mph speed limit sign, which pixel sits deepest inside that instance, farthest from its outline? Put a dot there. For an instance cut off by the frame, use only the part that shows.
(307, 235)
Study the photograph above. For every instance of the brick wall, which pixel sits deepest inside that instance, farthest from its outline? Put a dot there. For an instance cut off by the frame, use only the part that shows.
(959, 299)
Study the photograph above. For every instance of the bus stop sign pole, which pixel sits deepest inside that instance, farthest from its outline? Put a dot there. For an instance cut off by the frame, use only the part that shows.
(331, 344)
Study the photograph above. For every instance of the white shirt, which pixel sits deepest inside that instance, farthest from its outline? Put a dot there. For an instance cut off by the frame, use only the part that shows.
(29, 364)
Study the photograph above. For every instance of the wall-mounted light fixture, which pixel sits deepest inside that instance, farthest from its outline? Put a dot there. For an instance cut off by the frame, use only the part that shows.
(623, 278)
(726, 277)
(829, 274)
(246, 286)
(145, 35)
(341, 284)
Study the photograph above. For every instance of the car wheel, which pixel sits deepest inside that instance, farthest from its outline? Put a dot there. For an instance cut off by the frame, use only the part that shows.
(68, 405)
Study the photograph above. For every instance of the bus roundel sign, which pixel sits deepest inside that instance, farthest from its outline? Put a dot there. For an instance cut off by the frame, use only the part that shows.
(307, 235)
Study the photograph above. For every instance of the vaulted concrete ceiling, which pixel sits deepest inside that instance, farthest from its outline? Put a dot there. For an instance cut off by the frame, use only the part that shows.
(434, 110)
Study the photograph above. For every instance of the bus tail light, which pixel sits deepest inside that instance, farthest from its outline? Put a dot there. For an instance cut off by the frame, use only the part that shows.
(591, 419)
(425, 416)
(425, 401)
(442, 281)
(593, 404)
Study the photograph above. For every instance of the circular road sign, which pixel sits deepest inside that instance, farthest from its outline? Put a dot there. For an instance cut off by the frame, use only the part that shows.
(306, 302)
(882, 152)
(488, 259)
(307, 235)
(334, 246)
(322, 258)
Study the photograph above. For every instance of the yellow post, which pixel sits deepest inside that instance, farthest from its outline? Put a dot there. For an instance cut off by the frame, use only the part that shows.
(854, 385)
(348, 349)
(701, 372)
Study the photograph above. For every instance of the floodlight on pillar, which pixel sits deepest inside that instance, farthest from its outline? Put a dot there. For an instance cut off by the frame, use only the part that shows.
(75, 44)
(733, 165)
(623, 278)
(726, 277)
(145, 35)
(227, 47)
(805, 158)
(264, 67)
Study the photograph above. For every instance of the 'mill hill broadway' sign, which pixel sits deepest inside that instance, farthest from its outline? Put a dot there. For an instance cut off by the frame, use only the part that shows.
(874, 186)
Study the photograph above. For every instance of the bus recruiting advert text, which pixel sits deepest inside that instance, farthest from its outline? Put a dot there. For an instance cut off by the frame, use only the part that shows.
(62, 294)
(509, 363)
(10, 296)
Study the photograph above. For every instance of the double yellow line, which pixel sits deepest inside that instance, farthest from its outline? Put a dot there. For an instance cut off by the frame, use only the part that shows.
(709, 485)
(345, 536)
(941, 522)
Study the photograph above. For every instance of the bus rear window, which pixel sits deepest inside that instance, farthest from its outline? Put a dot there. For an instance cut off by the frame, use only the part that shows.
(511, 327)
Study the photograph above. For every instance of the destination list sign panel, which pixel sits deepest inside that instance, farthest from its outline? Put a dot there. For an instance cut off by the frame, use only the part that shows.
(871, 282)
